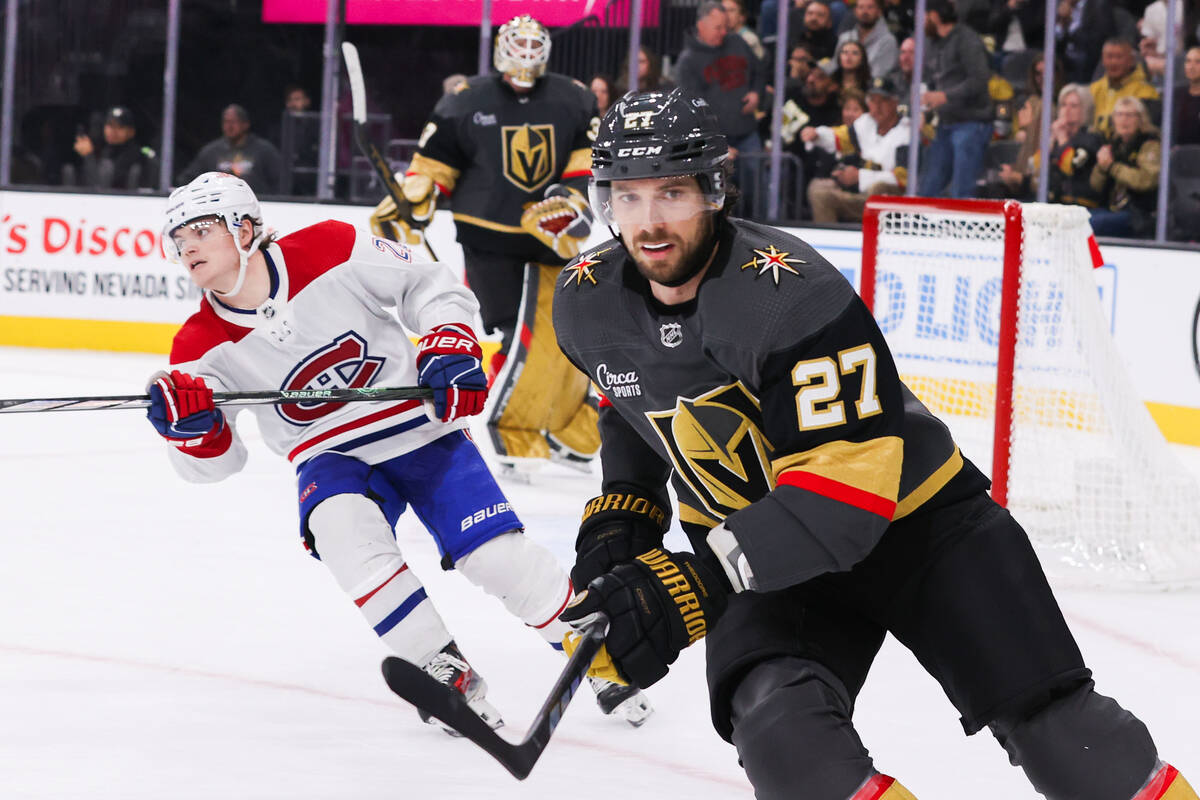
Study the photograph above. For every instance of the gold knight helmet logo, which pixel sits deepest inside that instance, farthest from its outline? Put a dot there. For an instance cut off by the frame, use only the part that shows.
(529, 156)
(718, 448)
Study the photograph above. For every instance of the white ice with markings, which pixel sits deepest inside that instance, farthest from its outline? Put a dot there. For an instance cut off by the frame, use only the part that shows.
(161, 639)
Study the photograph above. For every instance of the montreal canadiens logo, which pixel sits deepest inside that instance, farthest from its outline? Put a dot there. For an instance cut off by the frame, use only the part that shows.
(344, 364)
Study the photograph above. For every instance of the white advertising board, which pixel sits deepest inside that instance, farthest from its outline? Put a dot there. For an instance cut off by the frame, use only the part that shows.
(68, 258)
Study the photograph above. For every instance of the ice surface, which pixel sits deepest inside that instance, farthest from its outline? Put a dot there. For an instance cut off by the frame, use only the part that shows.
(161, 639)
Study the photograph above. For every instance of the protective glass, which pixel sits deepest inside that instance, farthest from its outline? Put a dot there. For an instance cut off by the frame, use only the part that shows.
(652, 200)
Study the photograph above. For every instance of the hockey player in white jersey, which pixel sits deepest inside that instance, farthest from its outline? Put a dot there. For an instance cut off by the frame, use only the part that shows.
(312, 310)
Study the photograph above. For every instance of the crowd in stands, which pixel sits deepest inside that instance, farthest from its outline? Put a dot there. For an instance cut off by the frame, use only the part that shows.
(846, 118)
(846, 114)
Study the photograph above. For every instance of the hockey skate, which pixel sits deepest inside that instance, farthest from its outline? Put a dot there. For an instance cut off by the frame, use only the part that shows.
(449, 668)
(627, 702)
(566, 457)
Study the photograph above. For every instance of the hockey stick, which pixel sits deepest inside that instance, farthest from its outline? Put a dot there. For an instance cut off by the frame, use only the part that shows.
(417, 687)
(255, 398)
(358, 105)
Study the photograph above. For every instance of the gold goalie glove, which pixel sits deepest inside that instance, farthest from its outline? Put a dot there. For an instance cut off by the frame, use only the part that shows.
(561, 222)
(404, 223)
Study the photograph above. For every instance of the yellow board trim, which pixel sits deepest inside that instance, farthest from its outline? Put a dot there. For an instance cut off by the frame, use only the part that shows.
(1179, 424)
(87, 334)
(109, 335)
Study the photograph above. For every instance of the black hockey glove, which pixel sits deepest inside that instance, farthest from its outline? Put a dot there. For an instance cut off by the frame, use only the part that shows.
(657, 605)
(616, 527)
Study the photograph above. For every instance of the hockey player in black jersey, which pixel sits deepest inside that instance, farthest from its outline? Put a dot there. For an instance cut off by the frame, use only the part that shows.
(826, 506)
(512, 150)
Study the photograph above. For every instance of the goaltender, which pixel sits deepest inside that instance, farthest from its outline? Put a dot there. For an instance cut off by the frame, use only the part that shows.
(512, 150)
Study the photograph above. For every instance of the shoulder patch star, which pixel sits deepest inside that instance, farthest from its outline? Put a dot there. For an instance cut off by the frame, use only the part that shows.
(772, 260)
(581, 270)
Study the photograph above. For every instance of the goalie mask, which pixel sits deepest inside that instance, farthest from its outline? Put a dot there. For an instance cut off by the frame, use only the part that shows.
(522, 50)
(220, 195)
(658, 135)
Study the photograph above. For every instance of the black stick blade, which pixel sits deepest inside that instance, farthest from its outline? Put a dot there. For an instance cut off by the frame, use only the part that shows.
(417, 687)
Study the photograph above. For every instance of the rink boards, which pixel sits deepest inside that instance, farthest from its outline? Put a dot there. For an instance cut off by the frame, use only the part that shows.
(87, 271)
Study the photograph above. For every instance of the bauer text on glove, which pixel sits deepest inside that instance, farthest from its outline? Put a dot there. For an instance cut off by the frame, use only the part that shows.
(182, 411)
(449, 363)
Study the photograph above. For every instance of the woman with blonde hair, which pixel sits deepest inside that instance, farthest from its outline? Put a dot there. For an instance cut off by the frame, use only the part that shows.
(1127, 172)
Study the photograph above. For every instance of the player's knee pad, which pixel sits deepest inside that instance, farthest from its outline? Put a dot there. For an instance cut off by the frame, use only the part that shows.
(354, 540)
(525, 577)
(1080, 746)
(792, 730)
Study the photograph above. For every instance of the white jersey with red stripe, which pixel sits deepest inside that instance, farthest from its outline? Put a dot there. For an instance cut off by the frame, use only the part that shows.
(330, 322)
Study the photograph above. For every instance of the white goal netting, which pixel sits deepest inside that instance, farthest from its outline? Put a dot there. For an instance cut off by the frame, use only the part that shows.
(1090, 475)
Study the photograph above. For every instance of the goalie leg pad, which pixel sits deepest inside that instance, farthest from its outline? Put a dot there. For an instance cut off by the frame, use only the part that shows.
(1080, 746)
(792, 730)
(538, 391)
(525, 577)
(356, 543)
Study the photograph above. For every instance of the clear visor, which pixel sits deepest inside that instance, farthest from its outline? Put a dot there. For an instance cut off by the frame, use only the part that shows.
(197, 231)
(649, 201)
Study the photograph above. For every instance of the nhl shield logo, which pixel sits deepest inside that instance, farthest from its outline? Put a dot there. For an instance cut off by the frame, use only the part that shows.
(671, 334)
(528, 155)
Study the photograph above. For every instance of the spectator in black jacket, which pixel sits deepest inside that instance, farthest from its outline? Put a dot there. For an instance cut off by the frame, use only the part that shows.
(1082, 28)
(1017, 24)
(1073, 149)
(122, 162)
(721, 68)
(957, 74)
(812, 27)
(1187, 101)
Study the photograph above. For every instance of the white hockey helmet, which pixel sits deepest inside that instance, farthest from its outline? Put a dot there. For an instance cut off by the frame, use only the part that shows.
(214, 194)
(522, 50)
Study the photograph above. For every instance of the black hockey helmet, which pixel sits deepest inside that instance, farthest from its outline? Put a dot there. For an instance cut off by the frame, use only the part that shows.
(658, 135)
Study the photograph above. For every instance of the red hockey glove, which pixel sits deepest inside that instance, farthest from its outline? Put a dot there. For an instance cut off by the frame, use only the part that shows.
(449, 362)
(657, 605)
(182, 411)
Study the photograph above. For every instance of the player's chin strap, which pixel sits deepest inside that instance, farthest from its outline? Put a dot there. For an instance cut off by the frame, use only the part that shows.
(243, 262)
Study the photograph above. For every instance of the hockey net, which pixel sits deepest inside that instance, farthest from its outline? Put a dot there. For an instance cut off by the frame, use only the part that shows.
(993, 315)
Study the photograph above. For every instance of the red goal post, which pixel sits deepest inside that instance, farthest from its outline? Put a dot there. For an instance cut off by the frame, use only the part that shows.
(1010, 212)
(993, 314)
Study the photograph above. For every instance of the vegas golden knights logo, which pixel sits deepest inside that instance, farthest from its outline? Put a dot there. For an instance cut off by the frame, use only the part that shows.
(718, 448)
(528, 155)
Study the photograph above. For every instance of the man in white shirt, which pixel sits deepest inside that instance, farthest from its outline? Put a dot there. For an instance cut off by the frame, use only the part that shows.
(869, 154)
